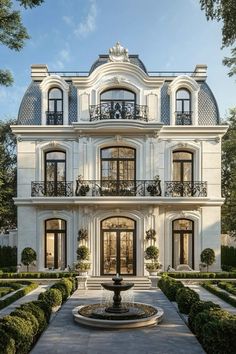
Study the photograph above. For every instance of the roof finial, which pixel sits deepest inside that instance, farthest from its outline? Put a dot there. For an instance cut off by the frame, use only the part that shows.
(118, 53)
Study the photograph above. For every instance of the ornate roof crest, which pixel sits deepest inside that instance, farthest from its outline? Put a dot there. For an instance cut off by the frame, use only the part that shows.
(118, 53)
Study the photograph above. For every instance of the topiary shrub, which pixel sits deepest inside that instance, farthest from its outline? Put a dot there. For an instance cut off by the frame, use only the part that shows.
(45, 307)
(170, 287)
(29, 317)
(83, 253)
(28, 256)
(51, 296)
(185, 298)
(62, 288)
(20, 330)
(38, 313)
(7, 344)
(198, 307)
(208, 257)
(219, 335)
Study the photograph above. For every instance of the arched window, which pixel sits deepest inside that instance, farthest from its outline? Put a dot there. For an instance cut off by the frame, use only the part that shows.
(55, 173)
(55, 107)
(183, 107)
(55, 244)
(182, 179)
(118, 170)
(182, 243)
(118, 104)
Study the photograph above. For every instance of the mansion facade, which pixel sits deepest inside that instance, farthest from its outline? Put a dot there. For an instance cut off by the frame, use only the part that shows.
(119, 151)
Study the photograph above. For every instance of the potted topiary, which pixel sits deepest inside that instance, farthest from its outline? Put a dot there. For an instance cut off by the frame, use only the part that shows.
(208, 257)
(81, 187)
(154, 188)
(83, 256)
(28, 256)
(151, 254)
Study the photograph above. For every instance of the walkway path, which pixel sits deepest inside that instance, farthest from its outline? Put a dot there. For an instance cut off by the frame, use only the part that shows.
(63, 336)
(33, 295)
(207, 296)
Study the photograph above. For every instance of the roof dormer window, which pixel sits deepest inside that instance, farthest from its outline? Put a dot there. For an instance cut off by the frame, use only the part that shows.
(55, 107)
(183, 107)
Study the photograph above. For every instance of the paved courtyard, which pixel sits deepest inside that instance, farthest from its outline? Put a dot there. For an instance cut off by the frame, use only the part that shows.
(63, 336)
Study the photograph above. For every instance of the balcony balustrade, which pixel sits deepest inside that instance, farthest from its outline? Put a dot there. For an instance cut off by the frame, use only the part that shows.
(124, 188)
(52, 189)
(54, 118)
(118, 110)
(183, 118)
(185, 189)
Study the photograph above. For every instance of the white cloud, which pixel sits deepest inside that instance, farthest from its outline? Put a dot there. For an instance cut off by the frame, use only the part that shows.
(68, 20)
(63, 57)
(88, 25)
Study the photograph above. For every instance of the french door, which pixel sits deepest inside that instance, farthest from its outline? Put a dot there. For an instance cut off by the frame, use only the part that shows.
(118, 250)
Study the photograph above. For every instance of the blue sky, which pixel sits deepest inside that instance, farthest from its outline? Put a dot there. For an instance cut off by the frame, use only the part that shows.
(68, 35)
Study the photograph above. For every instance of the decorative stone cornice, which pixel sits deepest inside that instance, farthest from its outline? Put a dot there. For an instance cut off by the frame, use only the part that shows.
(118, 53)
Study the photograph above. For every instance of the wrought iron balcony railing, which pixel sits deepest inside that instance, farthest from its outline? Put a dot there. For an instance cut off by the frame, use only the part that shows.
(118, 110)
(51, 189)
(54, 118)
(185, 189)
(183, 118)
(128, 188)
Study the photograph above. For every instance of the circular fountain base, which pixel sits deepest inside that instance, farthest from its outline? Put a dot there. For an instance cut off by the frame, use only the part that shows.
(139, 315)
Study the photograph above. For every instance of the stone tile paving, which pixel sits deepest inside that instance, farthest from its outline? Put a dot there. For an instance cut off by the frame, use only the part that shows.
(63, 336)
(33, 295)
(207, 296)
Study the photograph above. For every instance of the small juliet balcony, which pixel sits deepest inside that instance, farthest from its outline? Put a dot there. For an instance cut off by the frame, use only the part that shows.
(54, 118)
(52, 189)
(118, 110)
(183, 118)
(185, 189)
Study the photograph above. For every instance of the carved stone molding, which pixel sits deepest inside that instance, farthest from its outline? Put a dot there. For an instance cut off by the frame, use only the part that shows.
(118, 53)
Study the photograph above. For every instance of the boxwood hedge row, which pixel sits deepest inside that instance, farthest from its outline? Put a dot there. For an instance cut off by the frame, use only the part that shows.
(20, 330)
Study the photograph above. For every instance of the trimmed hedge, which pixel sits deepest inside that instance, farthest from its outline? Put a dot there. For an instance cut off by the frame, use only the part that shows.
(202, 275)
(185, 298)
(51, 296)
(37, 275)
(221, 294)
(20, 293)
(20, 330)
(65, 286)
(198, 307)
(38, 313)
(170, 287)
(8, 256)
(7, 344)
(228, 256)
(29, 317)
(231, 288)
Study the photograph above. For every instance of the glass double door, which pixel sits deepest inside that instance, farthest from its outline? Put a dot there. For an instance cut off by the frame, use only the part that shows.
(118, 252)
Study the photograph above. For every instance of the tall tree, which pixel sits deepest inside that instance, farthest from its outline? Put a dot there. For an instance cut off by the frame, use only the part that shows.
(7, 175)
(12, 32)
(225, 11)
(229, 176)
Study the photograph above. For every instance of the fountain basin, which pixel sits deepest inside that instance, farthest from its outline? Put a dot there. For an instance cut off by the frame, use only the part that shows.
(85, 315)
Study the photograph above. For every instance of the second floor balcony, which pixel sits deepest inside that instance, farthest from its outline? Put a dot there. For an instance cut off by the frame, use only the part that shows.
(118, 110)
(122, 188)
(54, 118)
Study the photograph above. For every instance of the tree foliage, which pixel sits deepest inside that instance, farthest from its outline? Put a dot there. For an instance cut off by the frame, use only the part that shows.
(208, 257)
(7, 175)
(13, 34)
(225, 11)
(229, 176)
(28, 256)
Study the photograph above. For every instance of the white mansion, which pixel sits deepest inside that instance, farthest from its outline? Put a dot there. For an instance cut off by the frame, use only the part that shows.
(119, 151)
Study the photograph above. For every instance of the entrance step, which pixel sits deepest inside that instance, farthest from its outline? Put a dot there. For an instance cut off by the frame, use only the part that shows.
(140, 283)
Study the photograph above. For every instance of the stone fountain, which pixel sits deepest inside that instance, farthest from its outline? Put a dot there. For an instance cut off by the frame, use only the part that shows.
(120, 314)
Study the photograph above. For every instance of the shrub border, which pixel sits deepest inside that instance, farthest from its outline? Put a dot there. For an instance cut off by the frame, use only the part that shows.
(218, 292)
(18, 294)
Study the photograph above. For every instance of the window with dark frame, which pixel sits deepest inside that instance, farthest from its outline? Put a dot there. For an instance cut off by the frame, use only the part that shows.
(55, 244)
(183, 107)
(55, 173)
(55, 106)
(182, 243)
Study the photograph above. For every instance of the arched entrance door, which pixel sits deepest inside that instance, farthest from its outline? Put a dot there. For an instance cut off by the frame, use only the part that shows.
(118, 246)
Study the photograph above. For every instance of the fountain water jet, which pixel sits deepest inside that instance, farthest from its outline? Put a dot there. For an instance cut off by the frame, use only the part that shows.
(119, 314)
